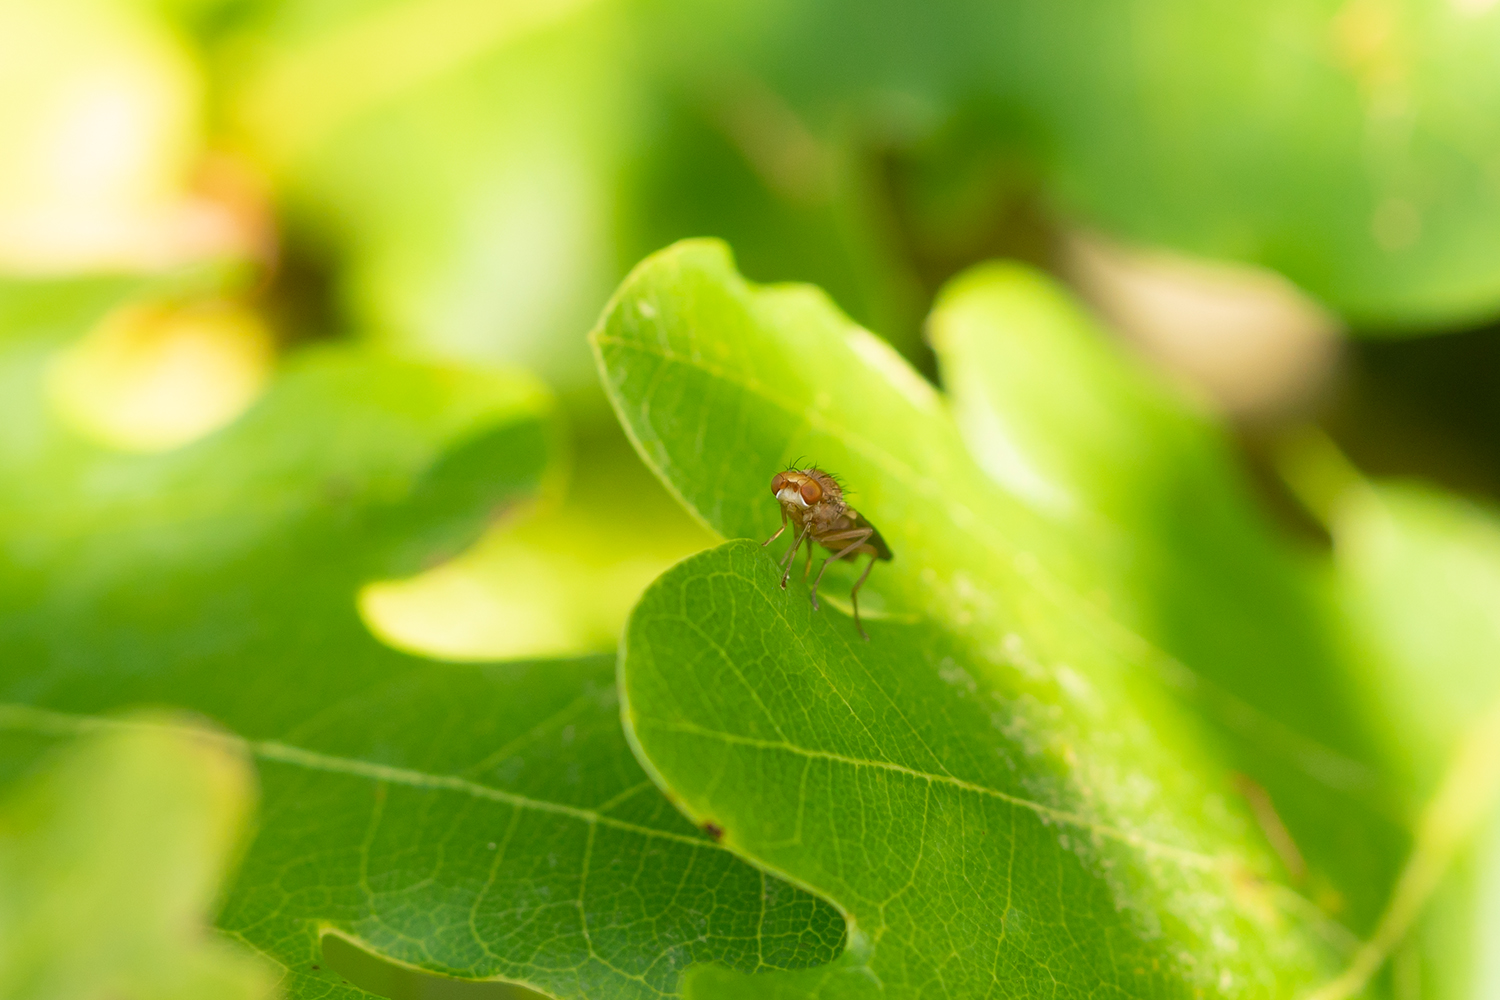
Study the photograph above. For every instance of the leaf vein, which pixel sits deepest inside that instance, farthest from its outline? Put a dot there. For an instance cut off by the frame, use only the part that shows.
(26, 717)
(1184, 856)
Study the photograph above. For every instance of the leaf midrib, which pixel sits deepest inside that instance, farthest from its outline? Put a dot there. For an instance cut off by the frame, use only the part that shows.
(20, 717)
(1185, 856)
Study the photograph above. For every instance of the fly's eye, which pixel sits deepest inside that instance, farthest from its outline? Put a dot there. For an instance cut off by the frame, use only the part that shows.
(811, 491)
(778, 482)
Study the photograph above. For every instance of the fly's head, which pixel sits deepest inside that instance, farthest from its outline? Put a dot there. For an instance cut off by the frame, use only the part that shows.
(800, 491)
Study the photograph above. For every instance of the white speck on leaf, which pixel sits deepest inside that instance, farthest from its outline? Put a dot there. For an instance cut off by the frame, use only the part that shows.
(957, 676)
(1074, 685)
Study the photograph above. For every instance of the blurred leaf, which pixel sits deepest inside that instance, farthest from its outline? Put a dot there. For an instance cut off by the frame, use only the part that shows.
(470, 194)
(725, 156)
(1351, 146)
(59, 309)
(102, 106)
(112, 855)
(1009, 743)
(485, 206)
(471, 821)
(558, 581)
(1419, 572)
(1420, 576)
(1146, 488)
(310, 87)
(156, 375)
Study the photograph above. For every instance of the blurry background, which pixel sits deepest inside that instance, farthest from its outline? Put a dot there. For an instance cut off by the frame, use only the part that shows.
(1278, 202)
(1292, 206)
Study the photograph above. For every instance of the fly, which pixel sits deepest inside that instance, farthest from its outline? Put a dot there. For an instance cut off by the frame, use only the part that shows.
(813, 501)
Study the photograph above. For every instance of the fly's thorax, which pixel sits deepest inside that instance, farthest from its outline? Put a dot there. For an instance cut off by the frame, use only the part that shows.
(826, 515)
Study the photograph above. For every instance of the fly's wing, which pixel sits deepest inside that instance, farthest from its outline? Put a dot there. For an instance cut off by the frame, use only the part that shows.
(882, 550)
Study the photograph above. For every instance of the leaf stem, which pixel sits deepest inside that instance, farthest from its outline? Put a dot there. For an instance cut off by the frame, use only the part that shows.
(1318, 474)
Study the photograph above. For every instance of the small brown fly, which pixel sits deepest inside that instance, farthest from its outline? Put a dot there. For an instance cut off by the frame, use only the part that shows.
(813, 501)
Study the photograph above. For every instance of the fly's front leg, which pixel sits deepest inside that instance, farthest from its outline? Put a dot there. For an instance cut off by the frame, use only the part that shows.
(779, 530)
(855, 536)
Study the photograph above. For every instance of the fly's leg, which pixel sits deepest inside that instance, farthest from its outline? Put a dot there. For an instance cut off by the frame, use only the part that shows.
(779, 530)
(807, 566)
(855, 536)
(854, 596)
(786, 556)
(791, 553)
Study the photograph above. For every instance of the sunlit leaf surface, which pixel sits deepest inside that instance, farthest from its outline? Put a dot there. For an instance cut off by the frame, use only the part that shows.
(1172, 541)
(995, 789)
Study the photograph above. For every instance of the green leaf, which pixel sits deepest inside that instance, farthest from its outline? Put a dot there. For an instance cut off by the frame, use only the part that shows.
(995, 789)
(559, 581)
(1345, 145)
(1419, 573)
(470, 201)
(487, 174)
(1190, 138)
(1146, 488)
(471, 821)
(932, 797)
(112, 856)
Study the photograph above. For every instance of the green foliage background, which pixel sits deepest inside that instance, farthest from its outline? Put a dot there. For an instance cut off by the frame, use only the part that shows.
(445, 664)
